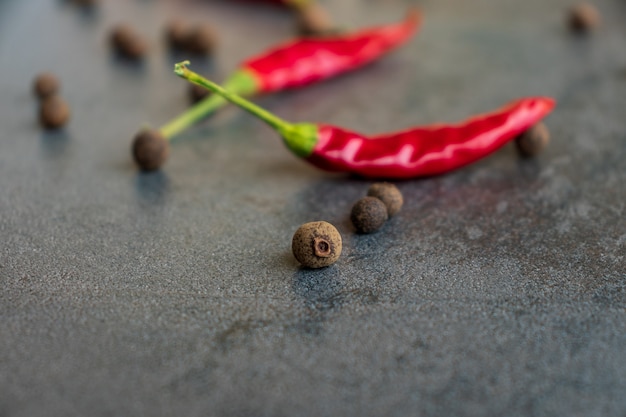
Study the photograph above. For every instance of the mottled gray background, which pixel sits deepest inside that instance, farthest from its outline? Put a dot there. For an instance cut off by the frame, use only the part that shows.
(498, 290)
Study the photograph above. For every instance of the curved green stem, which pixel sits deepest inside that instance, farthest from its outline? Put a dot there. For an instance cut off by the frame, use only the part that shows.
(201, 110)
(242, 81)
(300, 138)
(274, 121)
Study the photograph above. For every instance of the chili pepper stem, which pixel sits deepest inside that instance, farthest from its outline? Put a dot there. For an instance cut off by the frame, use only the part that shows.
(274, 121)
(242, 81)
(193, 115)
(300, 138)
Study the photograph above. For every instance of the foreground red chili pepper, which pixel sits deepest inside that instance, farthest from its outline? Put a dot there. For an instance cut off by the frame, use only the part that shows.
(301, 62)
(415, 152)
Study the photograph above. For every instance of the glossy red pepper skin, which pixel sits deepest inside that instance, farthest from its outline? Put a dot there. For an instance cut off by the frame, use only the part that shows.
(411, 153)
(429, 150)
(306, 60)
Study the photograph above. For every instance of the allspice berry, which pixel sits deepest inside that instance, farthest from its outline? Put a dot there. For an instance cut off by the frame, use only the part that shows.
(46, 84)
(368, 215)
(316, 244)
(584, 17)
(121, 34)
(127, 42)
(201, 40)
(388, 194)
(533, 141)
(54, 112)
(312, 19)
(177, 34)
(150, 149)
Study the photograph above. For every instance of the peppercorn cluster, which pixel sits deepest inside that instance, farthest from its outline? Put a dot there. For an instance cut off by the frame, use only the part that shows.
(370, 213)
(54, 112)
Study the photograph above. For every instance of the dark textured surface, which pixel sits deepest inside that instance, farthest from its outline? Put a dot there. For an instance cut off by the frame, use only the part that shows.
(497, 290)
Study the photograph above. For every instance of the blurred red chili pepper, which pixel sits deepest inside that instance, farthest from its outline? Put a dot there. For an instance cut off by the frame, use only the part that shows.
(303, 61)
(307, 60)
(415, 152)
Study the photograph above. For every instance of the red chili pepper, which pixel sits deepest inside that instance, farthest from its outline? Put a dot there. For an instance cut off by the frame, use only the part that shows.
(415, 152)
(303, 61)
(426, 150)
(307, 60)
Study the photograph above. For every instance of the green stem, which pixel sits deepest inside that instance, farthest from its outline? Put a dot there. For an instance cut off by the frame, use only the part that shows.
(193, 115)
(242, 82)
(300, 138)
(274, 121)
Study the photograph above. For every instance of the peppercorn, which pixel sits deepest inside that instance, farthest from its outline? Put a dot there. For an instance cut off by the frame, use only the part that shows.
(134, 49)
(533, 141)
(177, 34)
(121, 33)
(316, 244)
(54, 112)
(388, 194)
(368, 215)
(584, 17)
(197, 93)
(201, 40)
(46, 84)
(127, 42)
(313, 19)
(150, 149)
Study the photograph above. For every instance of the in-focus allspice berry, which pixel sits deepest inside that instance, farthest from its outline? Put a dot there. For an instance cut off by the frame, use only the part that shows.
(584, 17)
(54, 112)
(127, 42)
(388, 194)
(533, 141)
(46, 84)
(150, 149)
(368, 215)
(316, 244)
(314, 20)
(201, 40)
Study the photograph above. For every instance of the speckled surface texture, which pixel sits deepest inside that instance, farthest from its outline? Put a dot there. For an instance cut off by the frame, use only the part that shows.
(497, 290)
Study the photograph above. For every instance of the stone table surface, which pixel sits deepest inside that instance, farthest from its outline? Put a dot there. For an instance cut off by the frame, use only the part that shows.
(499, 289)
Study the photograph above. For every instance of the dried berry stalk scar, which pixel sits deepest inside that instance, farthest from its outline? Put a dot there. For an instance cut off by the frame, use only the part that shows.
(414, 152)
(316, 244)
(298, 63)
